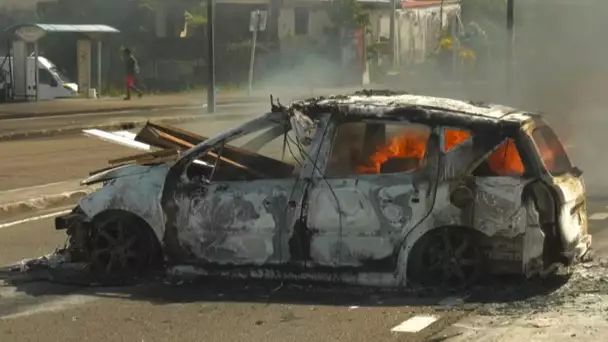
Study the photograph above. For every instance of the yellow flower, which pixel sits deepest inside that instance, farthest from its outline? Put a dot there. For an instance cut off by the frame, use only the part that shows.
(446, 43)
(467, 54)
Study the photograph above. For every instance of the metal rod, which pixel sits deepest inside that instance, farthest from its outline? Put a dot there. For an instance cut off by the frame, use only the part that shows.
(254, 39)
(510, 45)
(392, 29)
(11, 53)
(36, 71)
(211, 55)
(99, 68)
(441, 18)
(456, 50)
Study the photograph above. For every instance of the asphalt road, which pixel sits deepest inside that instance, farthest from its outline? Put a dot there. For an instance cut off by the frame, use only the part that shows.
(40, 161)
(216, 311)
(213, 310)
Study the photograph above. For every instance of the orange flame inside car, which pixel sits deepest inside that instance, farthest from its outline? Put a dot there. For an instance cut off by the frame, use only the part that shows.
(455, 137)
(410, 144)
(505, 161)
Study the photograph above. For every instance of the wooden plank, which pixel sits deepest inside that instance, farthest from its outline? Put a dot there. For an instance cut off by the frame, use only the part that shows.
(160, 153)
(225, 160)
(156, 160)
(168, 128)
(105, 169)
(175, 140)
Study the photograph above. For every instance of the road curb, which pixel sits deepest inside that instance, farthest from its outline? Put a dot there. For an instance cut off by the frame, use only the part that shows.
(44, 202)
(122, 125)
(186, 105)
(11, 116)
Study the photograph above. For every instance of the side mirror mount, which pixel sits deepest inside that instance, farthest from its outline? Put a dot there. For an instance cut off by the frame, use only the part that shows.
(54, 83)
(395, 165)
(577, 172)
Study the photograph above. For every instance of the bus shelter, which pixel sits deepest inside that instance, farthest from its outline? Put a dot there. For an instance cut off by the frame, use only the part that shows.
(26, 82)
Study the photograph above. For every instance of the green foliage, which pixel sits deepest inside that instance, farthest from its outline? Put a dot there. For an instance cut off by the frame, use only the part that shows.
(197, 15)
(146, 5)
(348, 14)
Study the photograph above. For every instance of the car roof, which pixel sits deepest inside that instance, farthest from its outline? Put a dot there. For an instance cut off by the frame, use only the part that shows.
(418, 108)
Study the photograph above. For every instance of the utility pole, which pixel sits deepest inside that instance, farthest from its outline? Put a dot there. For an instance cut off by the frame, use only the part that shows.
(392, 39)
(510, 46)
(211, 55)
(441, 17)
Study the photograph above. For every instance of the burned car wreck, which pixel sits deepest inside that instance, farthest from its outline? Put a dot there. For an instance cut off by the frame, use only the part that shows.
(373, 188)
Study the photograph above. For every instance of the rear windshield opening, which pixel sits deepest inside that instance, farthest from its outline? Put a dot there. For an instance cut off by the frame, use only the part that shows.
(551, 151)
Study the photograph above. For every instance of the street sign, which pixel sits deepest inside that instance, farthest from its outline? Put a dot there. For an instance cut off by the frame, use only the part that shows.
(30, 34)
(258, 19)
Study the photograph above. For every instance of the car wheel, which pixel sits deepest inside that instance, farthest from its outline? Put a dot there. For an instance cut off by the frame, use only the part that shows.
(447, 257)
(122, 245)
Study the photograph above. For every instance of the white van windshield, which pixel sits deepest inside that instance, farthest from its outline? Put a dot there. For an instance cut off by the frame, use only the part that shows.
(54, 70)
(59, 74)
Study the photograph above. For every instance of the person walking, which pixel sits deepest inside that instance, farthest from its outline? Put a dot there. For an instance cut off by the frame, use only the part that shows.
(132, 69)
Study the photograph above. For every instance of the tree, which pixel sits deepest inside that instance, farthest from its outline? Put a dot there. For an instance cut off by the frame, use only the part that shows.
(196, 15)
(348, 14)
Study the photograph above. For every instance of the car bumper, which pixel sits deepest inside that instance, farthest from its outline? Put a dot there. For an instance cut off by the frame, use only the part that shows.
(78, 227)
(74, 220)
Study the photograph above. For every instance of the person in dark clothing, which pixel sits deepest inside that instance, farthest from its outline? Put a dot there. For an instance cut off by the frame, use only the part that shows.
(132, 69)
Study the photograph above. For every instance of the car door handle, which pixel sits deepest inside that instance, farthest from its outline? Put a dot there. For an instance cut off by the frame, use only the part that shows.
(292, 204)
(415, 200)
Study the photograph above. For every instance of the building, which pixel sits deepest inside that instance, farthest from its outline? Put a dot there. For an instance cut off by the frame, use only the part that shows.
(21, 5)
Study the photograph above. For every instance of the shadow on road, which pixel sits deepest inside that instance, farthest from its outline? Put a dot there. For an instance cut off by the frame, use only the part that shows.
(499, 290)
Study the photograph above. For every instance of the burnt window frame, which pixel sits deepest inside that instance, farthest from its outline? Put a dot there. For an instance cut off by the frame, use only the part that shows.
(442, 139)
(425, 160)
(522, 144)
(240, 142)
(518, 136)
(537, 126)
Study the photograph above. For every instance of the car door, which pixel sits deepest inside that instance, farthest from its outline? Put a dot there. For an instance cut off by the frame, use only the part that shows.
(568, 183)
(374, 186)
(47, 86)
(485, 177)
(234, 222)
(213, 217)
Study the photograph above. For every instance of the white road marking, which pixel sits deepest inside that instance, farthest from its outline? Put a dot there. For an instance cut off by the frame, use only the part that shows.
(415, 324)
(18, 190)
(599, 216)
(35, 218)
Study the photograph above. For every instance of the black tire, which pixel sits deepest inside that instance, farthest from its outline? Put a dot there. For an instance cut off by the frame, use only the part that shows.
(447, 257)
(122, 245)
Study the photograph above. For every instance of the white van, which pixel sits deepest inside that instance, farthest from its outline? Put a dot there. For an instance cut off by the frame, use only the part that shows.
(52, 83)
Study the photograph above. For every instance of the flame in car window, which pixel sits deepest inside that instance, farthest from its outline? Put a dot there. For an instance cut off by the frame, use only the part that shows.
(506, 161)
(411, 143)
(454, 137)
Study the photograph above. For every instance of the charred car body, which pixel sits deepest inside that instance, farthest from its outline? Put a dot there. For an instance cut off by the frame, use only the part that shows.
(374, 188)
